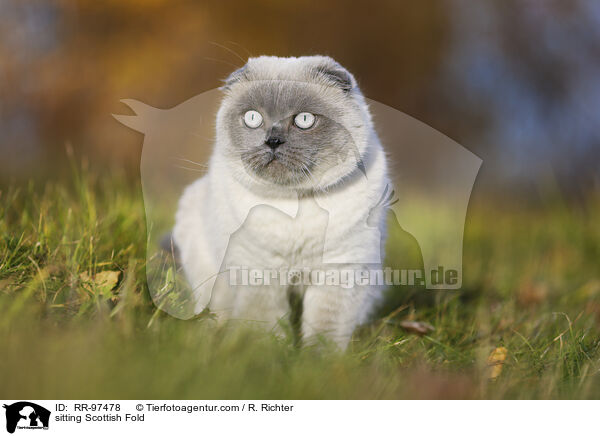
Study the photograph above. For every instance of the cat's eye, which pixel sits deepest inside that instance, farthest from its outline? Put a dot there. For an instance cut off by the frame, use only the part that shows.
(304, 120)
(253, 119)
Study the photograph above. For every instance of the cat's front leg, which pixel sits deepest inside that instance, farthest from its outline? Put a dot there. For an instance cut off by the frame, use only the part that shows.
(333, 312)
(265, 305)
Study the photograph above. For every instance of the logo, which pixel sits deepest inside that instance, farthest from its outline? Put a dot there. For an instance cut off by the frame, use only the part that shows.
(26, 415)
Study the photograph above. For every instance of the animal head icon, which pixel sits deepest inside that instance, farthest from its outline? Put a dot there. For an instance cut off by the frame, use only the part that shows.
(26, 414)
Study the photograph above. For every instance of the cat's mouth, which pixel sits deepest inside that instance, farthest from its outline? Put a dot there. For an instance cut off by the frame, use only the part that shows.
(272, 158)
(277, 167)
(278, 163)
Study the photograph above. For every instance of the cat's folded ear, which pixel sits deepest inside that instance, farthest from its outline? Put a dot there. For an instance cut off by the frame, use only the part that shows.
(335, 74)
(237, 76)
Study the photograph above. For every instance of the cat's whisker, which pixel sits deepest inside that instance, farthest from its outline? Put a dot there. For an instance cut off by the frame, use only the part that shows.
(229, 50)
(242, 47)
(192, 162)
(190, 169)
(222, 61)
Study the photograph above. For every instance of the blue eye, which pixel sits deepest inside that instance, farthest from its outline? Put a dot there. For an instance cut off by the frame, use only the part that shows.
(253, 119)
(304, 120)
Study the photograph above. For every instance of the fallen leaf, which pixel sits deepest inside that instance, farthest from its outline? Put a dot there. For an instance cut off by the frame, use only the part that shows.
(103, 282)
(496, 361)
(417, 327)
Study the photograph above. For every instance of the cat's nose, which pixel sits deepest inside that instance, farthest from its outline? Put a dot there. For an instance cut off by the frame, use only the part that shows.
(274, 141)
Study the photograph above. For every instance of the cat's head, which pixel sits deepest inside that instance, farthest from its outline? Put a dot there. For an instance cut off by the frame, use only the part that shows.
(293, 123)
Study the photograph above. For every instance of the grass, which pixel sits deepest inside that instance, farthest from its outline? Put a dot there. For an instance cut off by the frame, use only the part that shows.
(531, 291)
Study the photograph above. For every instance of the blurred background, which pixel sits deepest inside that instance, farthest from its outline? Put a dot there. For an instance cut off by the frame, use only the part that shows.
(517, 83)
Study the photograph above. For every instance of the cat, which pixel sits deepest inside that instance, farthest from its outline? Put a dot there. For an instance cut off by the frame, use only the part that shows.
(295, 181)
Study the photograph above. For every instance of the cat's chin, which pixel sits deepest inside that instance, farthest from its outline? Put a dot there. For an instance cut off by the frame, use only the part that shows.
(275, 176)
(277, 173)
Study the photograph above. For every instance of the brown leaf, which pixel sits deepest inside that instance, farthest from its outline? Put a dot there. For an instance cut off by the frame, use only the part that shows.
(103, 282)
(417, 327)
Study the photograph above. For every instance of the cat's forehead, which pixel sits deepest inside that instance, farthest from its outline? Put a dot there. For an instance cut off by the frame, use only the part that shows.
(285, 97)
(315, 84)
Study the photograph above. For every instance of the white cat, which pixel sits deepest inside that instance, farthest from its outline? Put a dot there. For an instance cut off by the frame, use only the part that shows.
(294, 180)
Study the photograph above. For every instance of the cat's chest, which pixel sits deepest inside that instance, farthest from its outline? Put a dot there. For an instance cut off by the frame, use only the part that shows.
(269, 233)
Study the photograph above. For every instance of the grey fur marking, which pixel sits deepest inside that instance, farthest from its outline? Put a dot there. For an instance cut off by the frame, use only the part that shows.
(305, 153)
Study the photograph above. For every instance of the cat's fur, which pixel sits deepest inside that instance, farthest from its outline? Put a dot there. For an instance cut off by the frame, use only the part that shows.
(309, 202)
